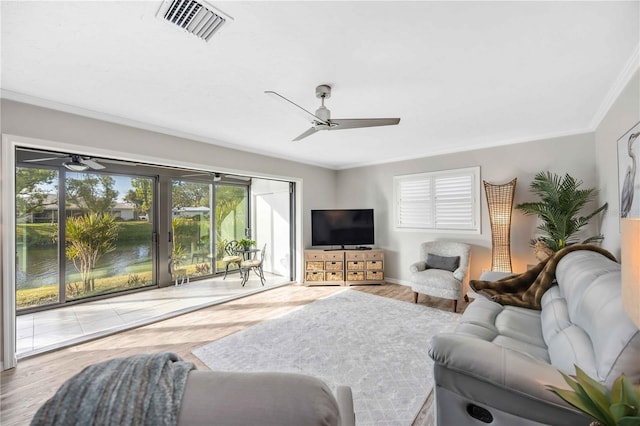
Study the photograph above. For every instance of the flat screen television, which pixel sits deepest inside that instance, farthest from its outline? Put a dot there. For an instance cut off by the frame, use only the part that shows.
(341, 227)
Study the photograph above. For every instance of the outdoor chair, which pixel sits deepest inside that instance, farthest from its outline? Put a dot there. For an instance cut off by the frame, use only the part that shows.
(441, 271)
(255, 264)
(231, 249)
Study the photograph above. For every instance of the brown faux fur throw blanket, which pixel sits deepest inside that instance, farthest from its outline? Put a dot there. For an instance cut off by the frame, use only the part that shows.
(526, 290)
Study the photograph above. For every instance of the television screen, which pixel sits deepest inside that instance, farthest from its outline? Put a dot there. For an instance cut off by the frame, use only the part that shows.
(341, 227)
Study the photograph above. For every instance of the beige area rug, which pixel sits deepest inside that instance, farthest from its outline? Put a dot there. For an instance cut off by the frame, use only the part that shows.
(374, 344)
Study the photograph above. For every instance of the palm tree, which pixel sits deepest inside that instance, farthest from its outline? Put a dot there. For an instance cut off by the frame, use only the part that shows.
(560, 203)
(88, 238)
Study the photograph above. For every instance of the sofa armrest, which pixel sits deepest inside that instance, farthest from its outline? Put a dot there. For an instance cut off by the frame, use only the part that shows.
(489, 374)
(459, 273)
(345, 402)
(418, 266)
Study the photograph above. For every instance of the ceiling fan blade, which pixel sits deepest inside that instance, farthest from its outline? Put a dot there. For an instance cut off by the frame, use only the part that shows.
(93, 164)
(309, 132)
(126, 163)
(35, 160)
(307, 115)
(352, 123)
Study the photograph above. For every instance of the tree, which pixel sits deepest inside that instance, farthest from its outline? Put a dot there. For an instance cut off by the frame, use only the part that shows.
(560, 204)
(88, 237)
(93, 193)
(189, 194)
(141, 196)
(30, 193)
(228, 198)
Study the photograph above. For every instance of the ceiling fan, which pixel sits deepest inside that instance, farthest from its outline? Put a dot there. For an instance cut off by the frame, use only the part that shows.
(76, 163)
(321, 120)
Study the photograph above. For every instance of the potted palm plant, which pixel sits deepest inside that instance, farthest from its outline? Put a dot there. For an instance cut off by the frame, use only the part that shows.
(561, 201)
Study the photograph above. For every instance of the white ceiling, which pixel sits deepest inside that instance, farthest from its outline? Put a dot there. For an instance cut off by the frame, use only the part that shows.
(461, 75)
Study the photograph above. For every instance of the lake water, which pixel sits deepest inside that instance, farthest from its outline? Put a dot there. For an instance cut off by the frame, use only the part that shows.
(37, 267)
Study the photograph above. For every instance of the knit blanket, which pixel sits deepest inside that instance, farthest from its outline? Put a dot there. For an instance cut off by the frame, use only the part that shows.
(137, 390)
(526, 290)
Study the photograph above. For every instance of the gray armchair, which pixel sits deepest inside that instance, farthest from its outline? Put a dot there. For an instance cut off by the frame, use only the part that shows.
(442, 271)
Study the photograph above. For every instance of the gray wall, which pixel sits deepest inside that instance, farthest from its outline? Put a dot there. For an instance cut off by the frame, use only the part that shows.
(622, 116)
(372, 187)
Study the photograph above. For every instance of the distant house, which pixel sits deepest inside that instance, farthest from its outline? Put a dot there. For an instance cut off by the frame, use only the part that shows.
(49, 213)
(185, 212)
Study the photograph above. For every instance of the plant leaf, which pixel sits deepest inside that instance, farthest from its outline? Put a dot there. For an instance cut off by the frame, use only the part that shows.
(629, 394)
(573, 399)
(629, 421)
(583, 378)
(620, 410)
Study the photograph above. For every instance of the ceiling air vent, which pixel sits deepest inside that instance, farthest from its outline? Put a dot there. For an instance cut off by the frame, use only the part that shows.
(197, 18)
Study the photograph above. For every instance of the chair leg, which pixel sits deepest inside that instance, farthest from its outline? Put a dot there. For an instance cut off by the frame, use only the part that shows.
(455, 305)
(226, 269)
(415, 297)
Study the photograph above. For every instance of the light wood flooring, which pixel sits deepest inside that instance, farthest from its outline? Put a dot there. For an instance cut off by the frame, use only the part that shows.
(35, 379)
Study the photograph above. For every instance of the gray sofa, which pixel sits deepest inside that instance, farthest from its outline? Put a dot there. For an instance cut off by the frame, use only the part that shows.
(278, 399)
(494, 367)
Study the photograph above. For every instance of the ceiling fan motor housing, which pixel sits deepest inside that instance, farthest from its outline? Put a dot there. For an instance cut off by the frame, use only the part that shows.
(323, 91)
(323, 113)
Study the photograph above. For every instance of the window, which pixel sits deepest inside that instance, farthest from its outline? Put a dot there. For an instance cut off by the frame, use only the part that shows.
(445, 200)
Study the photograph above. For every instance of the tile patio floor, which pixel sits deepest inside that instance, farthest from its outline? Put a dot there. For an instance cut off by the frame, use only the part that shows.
(56, 328)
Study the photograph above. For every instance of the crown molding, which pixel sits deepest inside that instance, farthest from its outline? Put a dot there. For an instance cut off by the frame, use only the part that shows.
(632, 65)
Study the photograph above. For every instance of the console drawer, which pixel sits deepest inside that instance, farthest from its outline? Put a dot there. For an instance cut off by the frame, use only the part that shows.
(375, 275)
(314, 266)
(333, 256)
(356, 265)
(315, 276)
(334, 266)
(334, 276)
(314, 255)
(374, 265)
(355, 276)
(355, 255)
(374, 255)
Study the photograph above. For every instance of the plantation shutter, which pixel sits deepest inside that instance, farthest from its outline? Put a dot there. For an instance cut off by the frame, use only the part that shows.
(415, 203)
(447, 200)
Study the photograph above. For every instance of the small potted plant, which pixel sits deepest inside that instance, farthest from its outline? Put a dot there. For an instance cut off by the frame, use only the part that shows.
(618, 406)
(246, 243)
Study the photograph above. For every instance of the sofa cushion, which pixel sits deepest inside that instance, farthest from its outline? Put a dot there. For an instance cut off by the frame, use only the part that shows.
(448, 263)
(590, 283)
(554, 317)
(506, 326)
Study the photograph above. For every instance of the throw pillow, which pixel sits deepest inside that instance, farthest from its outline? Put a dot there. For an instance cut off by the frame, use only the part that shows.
(448, 263)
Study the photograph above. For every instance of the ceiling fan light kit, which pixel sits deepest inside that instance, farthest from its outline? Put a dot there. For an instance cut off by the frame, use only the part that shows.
(321, 120)
(75, 165)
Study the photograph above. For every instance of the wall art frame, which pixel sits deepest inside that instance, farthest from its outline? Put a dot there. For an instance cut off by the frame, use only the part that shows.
(629, 173)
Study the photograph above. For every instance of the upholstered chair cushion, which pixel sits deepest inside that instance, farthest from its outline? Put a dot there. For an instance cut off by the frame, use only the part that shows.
(448, 263)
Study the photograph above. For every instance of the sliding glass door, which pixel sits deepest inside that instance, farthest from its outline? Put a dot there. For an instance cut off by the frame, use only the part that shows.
(81, 234)
(108, 235)
(36, 233)
(191, 239)
(232, 219)
(199, 237)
